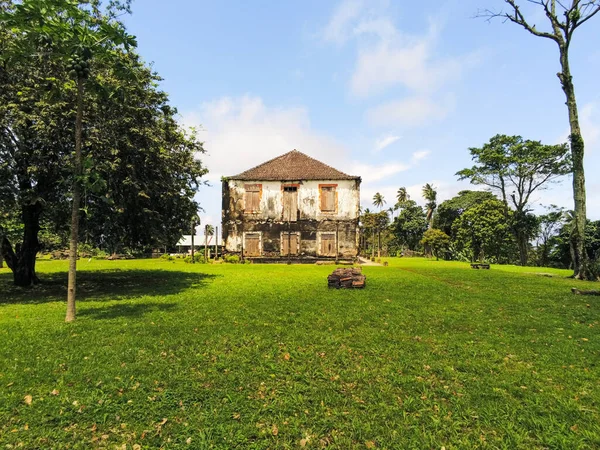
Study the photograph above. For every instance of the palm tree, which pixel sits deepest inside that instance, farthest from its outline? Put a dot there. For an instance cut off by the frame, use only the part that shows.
(430, 194)
(402, 196)
(378, 200)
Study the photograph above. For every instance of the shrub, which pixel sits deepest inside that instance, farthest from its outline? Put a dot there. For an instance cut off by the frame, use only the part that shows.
(167, 257)
(232, 259)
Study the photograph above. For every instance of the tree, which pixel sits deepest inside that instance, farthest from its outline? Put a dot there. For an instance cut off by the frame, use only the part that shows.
(139, 171)
(430, 194)
(436, 240)
(550, 224)
(483, 231)
(562, 27)
(516, 168)
(402, 196)
(409, 226)
(74, 32)
(450, 210)
(378, 200)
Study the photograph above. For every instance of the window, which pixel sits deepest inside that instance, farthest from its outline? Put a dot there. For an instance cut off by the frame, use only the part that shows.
(290, 203)
(328, 198)
(252, 198)
(252, 244)
(289, 244)
(328, 244)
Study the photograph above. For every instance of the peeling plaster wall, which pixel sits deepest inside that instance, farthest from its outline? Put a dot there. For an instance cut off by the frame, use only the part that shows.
(311, 222)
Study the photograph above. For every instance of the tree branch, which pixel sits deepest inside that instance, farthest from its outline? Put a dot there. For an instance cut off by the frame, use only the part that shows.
(518, 18)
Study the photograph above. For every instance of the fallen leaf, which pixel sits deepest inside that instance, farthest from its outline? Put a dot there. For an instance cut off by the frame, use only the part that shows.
(28, 399)
(55, 392)
(286, 356)
(275, 430)
(370, 444)
(303, 442)
(188, 441)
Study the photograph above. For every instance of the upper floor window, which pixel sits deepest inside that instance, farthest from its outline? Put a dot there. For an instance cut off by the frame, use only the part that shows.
(328, 196)
(252, 197)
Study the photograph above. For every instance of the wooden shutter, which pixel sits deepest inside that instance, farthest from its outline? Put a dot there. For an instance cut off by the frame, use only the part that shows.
(328, 244)
(328, 199)
(290, 239)
(290, 203)
(252, 197)
(252, 245)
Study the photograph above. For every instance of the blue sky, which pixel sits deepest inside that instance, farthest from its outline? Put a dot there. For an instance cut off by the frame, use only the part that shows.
(395, 92)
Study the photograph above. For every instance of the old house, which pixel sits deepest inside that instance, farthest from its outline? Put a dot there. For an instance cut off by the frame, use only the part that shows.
(291, 207)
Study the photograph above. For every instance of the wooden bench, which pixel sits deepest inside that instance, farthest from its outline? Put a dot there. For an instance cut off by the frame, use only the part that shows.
(480, 266)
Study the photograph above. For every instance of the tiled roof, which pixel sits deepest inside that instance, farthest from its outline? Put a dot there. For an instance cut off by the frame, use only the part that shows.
(291, 166)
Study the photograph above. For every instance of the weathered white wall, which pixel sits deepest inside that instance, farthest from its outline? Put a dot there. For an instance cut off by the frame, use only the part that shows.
(271, 202)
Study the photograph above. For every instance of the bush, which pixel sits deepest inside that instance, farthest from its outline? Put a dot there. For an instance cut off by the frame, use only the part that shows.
(167, 257)
(232, 259)
(198, 259)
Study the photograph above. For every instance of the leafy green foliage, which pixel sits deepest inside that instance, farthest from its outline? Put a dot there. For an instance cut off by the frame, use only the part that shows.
(140, 169)
(483, 231)
(516, 168)
(224, 355)
(450, 210)
(436, 240)
(410, 225)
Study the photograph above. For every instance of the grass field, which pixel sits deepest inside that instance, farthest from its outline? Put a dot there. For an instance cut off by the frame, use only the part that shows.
(169, 355)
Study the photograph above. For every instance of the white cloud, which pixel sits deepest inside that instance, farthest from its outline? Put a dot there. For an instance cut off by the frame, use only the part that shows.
(372, 173)
(338, 28)
(388, 58)
(590, 124)
(421, 154)
(411, 112)
(240, 133)
(385, 141)
(400, 59)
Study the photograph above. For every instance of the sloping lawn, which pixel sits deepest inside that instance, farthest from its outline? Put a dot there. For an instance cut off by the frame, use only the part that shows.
(170, 355)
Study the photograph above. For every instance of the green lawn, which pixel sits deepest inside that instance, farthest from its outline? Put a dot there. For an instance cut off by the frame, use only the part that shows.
(430, 355)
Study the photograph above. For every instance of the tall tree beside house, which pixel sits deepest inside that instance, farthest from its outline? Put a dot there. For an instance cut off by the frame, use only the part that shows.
(74, 33)
(564, 18)
(516, 168)
(430, 195)
(138, 173)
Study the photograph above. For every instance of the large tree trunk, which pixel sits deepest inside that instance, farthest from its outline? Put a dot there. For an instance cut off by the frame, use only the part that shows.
(74, 240)
(522, 243)
(581, 266)
(22, 260)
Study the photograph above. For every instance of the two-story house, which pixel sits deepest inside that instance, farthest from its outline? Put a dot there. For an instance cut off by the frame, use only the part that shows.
(292, 207)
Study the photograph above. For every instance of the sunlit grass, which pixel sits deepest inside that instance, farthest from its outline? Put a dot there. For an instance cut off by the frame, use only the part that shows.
(169, 354)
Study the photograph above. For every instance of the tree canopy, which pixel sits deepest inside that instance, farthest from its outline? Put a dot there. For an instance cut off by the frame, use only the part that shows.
(515, 168)
(140, 169)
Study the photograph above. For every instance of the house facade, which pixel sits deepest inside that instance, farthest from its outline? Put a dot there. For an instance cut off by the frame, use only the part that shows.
(291, 207)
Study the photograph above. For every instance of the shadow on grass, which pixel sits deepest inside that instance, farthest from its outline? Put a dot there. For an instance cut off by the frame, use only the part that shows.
(103, 285)
(125, 310)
